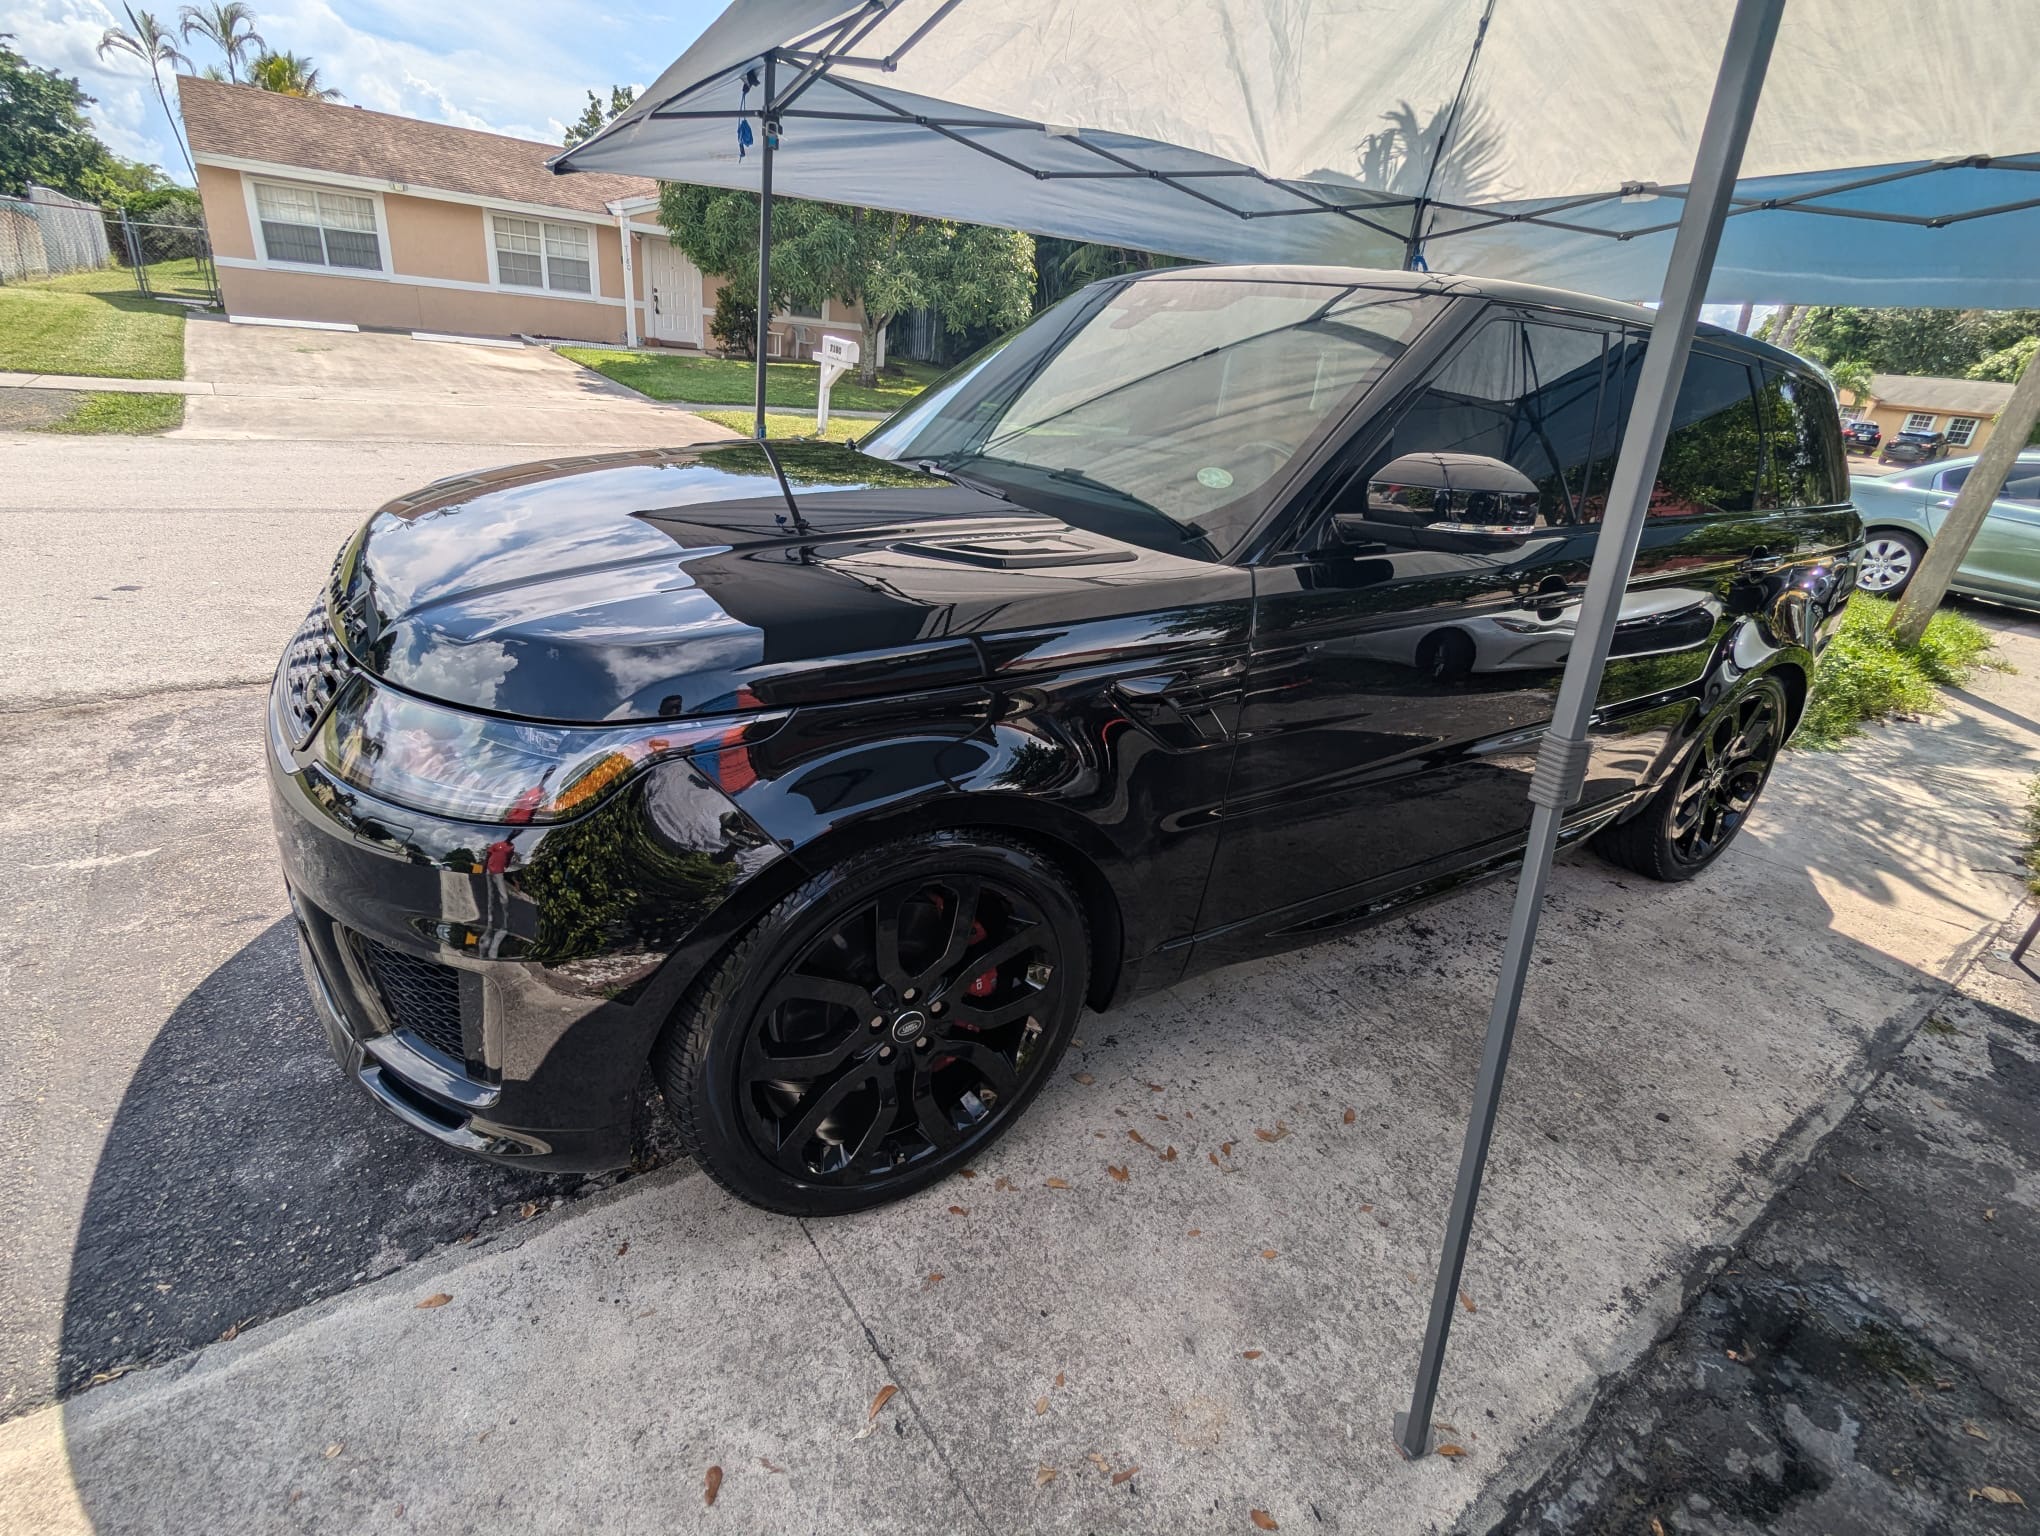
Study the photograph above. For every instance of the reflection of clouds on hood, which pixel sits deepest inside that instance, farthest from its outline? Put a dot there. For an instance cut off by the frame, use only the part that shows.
(680, 666)
(466, 674)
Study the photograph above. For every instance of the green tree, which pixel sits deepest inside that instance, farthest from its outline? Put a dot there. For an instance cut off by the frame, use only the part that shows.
(593, 119)
(229, 28)
(1061, 267)
(149, 40)
(1942, 343)
(289, 74)
(888, 263)
(2006, 364)
(44, 135)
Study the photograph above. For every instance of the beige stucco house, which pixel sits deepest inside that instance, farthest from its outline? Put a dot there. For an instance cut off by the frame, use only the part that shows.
(1965, 409)
(326, 212)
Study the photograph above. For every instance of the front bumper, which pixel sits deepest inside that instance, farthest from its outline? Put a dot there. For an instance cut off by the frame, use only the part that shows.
(496, 988)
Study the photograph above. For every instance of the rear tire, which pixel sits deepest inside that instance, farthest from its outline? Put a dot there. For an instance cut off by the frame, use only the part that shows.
(1708, 798)
(880, 1026)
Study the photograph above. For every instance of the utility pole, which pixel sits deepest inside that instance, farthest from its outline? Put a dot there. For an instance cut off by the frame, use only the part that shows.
(1972, 506)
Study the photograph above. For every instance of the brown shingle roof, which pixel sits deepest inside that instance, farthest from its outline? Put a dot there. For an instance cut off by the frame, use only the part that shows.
(1951, 397)
(252, 124)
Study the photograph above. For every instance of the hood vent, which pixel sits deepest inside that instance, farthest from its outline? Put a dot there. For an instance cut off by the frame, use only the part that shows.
(1021, 551)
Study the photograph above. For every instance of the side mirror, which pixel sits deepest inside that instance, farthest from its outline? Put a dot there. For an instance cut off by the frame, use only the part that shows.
(1451, 501)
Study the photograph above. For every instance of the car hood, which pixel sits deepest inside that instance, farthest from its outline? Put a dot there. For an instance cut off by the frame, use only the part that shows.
(662, 584)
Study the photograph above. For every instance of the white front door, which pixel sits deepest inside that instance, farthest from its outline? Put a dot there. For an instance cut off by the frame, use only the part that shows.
(672, 295)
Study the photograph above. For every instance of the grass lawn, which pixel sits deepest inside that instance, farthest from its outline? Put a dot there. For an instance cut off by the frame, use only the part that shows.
(1866, 675)
(730, 381)
(121, 413)
(89, 323)
(777, 426)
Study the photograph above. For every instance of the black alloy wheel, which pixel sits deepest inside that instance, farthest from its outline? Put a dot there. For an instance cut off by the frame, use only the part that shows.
(880, 1025)
(1708, 799)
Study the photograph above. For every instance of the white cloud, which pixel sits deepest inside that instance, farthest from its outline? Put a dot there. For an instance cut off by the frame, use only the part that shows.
(519, 67)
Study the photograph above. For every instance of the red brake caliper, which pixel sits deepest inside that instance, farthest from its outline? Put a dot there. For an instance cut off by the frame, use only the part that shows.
(982, 986)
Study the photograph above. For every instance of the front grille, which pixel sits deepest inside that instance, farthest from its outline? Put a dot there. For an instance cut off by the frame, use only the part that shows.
(421, 996)
(313, 668)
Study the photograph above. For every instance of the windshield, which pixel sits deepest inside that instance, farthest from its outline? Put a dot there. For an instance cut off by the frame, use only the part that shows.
(1160, 411)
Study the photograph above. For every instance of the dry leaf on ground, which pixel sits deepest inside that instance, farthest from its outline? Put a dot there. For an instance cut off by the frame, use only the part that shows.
(527, 1210)
(1250, 1354)
(1196, 1232)
(1043, 1476)
(1136, 1136)
(1002, 1182)
(1349, 1116)
(932, 1281)
(1120, 1477)
(1225, 1148)
(622, 1249)
(438, 1300)
(1168, 1154)
(233, 1331)
(1084, 1078)
(1996, 1495)
(1657, 1526)
(766, 1463)
(1974, 1430)
(1058, 1183)
(1263, 1521)
(334, 1449)
(1118, 1172)
(1281, 1130)
(1267, 1253)
(1040, 1406)
(966, 1173)
(1451, 1450)
(958, 1210)
(1099, 1462)
(711, 1485)
(1466, 1301)
(1058, 1378)
(885, 1395)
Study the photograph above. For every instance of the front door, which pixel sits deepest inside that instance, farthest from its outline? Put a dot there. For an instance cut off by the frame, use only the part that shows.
(1397, 695)
(672, 295)
(2006, 555)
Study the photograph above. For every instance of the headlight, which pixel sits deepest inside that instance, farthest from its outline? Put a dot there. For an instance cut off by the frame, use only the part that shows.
(479, 768)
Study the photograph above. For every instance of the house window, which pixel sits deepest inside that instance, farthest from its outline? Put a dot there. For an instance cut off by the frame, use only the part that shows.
(535, 254)
(319, 229)
(1961, 430)
(1919, 421)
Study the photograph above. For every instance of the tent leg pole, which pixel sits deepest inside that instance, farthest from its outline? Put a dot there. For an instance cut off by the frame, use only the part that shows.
(1562, 760)
(766, 136)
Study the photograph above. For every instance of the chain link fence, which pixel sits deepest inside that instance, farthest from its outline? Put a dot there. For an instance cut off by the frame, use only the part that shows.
(47, 234)
(169, 260)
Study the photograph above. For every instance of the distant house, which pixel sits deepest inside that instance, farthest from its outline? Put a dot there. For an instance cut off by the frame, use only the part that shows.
(322, 211)
(1965, 409)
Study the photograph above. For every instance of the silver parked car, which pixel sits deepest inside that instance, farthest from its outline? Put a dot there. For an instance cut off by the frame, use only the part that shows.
(1903, 512)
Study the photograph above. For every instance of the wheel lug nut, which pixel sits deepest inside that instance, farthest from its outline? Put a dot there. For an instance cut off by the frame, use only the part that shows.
(878, 1023)
(908, 994)
(885, 1053)
(934, 1007)
(922, 1043)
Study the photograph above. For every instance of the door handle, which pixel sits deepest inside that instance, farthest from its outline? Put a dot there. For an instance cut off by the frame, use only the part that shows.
(1945, 504)
(1760, 560)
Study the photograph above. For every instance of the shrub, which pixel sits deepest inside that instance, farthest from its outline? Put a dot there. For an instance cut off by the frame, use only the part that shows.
(1865, 674)
(735, 325)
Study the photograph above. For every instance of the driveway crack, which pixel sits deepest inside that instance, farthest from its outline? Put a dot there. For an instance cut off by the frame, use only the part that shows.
(905, 1392)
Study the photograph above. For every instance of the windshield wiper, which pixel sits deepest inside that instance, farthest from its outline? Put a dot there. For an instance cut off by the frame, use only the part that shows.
(968, 482)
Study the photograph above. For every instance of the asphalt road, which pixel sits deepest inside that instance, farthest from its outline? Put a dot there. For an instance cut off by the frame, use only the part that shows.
(177, 1155)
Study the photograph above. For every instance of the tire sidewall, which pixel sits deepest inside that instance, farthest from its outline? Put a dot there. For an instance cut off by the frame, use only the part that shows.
(1673, 866)
(778, 938)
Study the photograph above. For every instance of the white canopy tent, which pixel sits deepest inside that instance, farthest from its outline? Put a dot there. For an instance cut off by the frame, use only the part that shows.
(1891, 157)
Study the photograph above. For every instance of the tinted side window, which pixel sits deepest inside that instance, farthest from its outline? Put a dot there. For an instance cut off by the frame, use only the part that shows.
(1801, 442)
(1528, 394)
(1711, 455)
(2022, 485)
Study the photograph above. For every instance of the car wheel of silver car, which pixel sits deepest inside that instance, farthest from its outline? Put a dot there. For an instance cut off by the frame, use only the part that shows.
(879, 1026)
(1889, 560)
(1708, 798)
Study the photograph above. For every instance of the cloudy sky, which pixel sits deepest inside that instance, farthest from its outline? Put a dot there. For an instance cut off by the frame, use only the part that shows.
(513, 66)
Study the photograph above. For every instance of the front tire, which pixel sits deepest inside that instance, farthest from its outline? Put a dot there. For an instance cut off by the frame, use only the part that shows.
(1708, 799)
(881, 1025)
(1891, 558)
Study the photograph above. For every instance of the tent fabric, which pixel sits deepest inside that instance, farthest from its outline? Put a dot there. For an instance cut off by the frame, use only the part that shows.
(1300, 131)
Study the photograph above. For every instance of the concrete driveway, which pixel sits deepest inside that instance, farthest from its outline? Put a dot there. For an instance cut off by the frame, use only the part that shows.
(212, 1314)
(312, 385)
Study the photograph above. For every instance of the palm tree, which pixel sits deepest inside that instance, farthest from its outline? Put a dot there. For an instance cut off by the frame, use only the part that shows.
(229, 28)
(149, 40)
(289, 74)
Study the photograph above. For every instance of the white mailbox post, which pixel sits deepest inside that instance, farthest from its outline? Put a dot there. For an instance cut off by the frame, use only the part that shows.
(839, 354)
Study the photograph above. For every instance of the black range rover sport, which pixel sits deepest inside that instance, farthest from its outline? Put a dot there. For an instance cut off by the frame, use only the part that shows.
(1216, 611)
